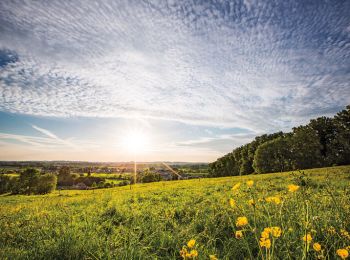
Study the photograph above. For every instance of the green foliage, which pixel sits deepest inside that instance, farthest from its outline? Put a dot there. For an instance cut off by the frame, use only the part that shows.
(323, 142)
(46, 184)
(29, 182)
(65, 178)
(6, 183)
(273, 156)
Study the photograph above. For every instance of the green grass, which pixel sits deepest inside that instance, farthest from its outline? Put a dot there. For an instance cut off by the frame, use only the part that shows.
(154, 221)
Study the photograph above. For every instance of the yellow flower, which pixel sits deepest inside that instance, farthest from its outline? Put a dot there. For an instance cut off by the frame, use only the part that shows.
(265, 243)
(317, 247)
(212, 257)
(275, 199)
(307, 238)
(265, 234)
(268, 230)
(241, 221)
(183, 252)
(293, 188)
(194, 253)
(343, 253)
(345, 233)
(251, 202)
(250, 183)
(276, 231)
(239, 234)
(191, 243)
(232, 203)
(236, 186)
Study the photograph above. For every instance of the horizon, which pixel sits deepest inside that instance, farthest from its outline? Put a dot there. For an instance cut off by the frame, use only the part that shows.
(172, 81)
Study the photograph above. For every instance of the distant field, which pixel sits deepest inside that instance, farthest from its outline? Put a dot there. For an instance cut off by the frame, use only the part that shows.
(155, 221)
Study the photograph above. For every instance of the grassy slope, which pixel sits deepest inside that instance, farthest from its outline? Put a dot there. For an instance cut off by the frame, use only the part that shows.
(156, 220)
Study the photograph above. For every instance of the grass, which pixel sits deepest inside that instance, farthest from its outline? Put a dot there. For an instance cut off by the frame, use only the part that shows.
(156, 220)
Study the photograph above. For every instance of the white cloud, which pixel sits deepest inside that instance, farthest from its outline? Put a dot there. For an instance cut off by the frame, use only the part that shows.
(196, 63)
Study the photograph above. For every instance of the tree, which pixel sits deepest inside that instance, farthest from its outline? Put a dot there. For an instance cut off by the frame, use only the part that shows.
(325, 130)
(273, 156)
(65, 178)
(28, 181)
(341, 144)
(46, 184)
(305, 148)
(6, 183)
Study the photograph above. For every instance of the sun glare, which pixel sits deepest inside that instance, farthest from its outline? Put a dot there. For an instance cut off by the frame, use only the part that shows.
(135, 142)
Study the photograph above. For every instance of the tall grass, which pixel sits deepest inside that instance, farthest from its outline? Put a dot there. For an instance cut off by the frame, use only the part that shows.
(157, 220)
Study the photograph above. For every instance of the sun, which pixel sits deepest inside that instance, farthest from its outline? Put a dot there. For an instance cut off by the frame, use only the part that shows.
(135, 142)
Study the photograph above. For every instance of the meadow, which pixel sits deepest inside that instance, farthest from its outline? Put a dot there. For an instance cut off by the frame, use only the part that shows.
(289, 215)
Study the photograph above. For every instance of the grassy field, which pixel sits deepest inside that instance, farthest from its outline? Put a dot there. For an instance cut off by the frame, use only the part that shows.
(259, 219)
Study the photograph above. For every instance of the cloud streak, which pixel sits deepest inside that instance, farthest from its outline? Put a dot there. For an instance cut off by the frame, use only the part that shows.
(262, 66)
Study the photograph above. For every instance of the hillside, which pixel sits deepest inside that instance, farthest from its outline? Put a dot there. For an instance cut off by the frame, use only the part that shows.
(156, 220)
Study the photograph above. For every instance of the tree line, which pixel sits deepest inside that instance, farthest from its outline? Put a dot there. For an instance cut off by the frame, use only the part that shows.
(324, 141)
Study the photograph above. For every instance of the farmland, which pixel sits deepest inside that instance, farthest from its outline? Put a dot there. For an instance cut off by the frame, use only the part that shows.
(225, 216)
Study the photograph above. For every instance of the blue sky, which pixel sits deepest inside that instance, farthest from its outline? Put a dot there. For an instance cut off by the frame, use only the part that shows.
(197, 78)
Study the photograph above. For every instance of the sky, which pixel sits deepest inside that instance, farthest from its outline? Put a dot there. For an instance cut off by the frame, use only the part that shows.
(190, 80)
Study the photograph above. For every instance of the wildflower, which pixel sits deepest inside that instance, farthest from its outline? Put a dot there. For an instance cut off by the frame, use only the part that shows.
(265, 234)
(250, 183)
(251, 202)
(193, 253)
(276, 231)
(307, 238)
(191, 243)
(241, 221)
(345, 233)
(183, 252)
(317, 247)
(331, 230)
(293, 188)
(265, 243)
(275, 199)
(239, 234)
(343, 253)
(236, 186)
(212, 257)
(268, 230)
(232, 203)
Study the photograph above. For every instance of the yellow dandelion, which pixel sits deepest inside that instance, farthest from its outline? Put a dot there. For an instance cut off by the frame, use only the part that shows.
(293, 188)
(343, 253)
(241, 221)
(276, 231)
(239, 234)
(183, 252)
(232, 203)
(250, 183)
(191, 243)
(317, 247)
(265, 234)
(307, 238)
(212, 257)
(274, 199)
(194, 253)
(236, 186)
(265, 243)
(251, 202)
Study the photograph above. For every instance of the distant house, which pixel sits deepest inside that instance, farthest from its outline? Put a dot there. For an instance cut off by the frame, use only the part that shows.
(81, 186)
